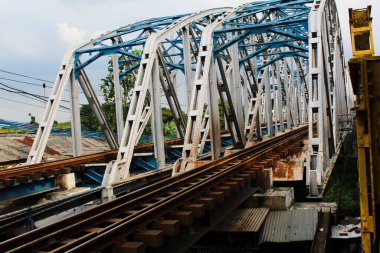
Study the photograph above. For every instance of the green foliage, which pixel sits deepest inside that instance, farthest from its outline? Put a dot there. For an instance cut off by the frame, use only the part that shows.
(107, 84)
(89, 121)
(66, 124)
(32, 119)
(170, 128)
(343, 187)
(221, 113)
(167, 115)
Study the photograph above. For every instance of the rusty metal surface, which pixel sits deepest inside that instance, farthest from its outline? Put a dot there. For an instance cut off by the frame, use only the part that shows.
(69, 162)
(243, 220)
(291, 168)
(104, 225)
(288, 170)
(289, 226)
(321, 236)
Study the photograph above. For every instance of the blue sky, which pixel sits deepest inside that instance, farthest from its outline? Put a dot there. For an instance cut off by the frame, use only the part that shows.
(36, 33)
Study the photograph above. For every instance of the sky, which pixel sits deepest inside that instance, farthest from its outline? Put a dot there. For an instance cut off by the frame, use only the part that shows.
(35, 34)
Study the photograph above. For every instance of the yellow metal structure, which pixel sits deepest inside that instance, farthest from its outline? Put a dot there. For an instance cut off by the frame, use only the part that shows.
(365, 78)
(361, 32)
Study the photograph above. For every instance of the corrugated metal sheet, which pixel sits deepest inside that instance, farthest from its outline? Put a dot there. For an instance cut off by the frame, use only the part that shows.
(290, 226)
(11, 149)
(243, 220)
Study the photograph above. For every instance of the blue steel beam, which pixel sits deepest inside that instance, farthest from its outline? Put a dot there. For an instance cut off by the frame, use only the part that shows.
(281, 56)
(124, 48)
(261, 28)
(268, 6)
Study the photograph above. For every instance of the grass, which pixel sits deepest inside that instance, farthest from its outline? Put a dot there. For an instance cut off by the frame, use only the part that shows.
(343, 186)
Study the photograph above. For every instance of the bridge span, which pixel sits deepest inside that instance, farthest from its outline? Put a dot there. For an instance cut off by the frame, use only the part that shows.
(269, 76)
(270, 66)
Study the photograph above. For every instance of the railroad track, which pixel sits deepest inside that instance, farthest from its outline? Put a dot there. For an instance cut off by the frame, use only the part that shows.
(202, 197)
(47, 169)
(19, 218)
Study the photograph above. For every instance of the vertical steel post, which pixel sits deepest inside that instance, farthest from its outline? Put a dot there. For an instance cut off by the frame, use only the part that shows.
(75, 116)
(214, 112)
(118, 96)
(157, 126)
(287, 88)
(187, 63)
(236, 86)
(274, 105)
(268, 102)
(279, 97)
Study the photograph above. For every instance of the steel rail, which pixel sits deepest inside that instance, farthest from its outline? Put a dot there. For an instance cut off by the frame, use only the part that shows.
(107, 214)
(187, 192)
(18, 218)
(12, 220)
(181, 187)
(53, 165)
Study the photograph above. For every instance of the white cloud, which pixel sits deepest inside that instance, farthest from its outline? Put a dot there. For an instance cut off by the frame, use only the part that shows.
(22, 43)
(71, 34)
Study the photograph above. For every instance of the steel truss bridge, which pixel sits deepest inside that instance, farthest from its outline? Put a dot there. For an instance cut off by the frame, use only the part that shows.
(271, 65)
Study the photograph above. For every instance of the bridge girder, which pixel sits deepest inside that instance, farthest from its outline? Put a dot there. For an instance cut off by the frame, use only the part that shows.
(259, 62)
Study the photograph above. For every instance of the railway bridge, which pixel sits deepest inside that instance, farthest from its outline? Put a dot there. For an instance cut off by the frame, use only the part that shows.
(269, 75)
(271, 66)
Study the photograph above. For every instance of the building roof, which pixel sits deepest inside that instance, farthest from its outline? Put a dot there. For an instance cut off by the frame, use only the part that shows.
(290, 226)
(17, 147)
(243, 220)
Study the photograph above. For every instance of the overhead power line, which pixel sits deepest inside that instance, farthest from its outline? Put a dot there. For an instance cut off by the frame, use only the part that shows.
(30, 77)
(27, 94)
(18, 81)
(36, 84)
(29, 104)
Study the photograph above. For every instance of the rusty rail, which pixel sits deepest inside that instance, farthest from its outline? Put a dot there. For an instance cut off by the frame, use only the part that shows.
(54, 167)
(177, 199)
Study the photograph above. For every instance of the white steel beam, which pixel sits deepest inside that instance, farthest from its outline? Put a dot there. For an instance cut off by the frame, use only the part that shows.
(76, 134)
(187, 62)
(96, 107)
(118, 170)
(268, 102)
(40, 140)
(118, 96)
(157, 124)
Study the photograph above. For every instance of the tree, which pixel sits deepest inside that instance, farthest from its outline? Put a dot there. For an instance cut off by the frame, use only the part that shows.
(88, 119)
(32, 120)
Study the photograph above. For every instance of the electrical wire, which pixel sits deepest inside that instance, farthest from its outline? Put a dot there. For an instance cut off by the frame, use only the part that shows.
(29, 104)
(35, 78)
(42, 98)
(18, 81)
(28, 95)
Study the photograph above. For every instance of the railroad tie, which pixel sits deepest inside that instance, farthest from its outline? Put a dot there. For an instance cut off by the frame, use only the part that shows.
(130, 247)
(208, 202)
(169, 227)
(217, 195)
(226, 189)
(234, 185)
(151, 238)
(185, 218)
(198, 210)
